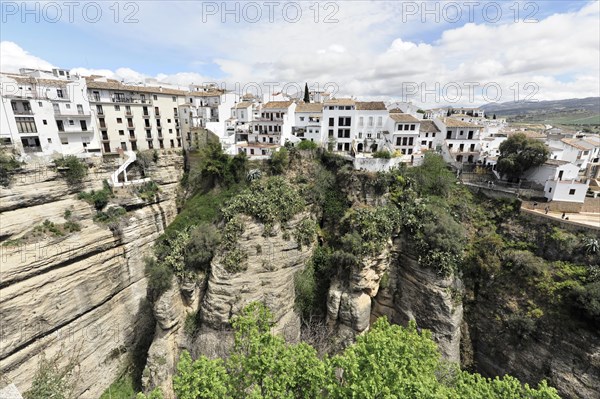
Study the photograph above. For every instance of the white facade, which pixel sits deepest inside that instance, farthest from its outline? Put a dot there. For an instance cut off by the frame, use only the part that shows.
(47, 113)
(567, 191)
(338, 116)
(552, 170)
(308, 118)
(370, 126)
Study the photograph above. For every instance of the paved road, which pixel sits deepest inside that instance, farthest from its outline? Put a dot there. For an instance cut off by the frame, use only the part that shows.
(591, 219)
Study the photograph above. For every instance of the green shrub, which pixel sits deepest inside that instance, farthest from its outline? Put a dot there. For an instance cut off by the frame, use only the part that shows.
(203, 242)
(54, 378)
(305, 232)
(159, 277)
(307, 145)
(382, 154)
(109, 216)
(71, 226)
(269, 201)
(8, 166)
(74, 170)
(48, 227)
(588, 299)
(279, 161)
(148, 191)
(235, 260)
(305, 286)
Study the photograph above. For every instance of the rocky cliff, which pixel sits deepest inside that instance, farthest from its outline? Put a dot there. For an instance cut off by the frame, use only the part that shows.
(268, 277)
(76, 291)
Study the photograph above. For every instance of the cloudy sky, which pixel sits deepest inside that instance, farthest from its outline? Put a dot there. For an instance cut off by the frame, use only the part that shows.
(450, 52)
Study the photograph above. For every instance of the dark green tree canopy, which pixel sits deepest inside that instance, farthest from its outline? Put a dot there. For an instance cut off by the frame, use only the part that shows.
(520, 153)
(306, 95)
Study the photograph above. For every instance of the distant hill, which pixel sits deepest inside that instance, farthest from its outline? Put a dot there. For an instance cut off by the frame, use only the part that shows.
(574, 111)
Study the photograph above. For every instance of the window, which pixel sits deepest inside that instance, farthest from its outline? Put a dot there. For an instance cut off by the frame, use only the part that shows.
(550, 189)
(344, 121)
(121, 132)
(96, 95)
(64, 140)
(174, 98)
(68, 106)
(80, 109)
(117, 107)
(360, 135)
(406, 127)
(462, 132)
(572, 191)
(170, 130)
(44, 121)
(330, 132)
(399, 127)
(155, 97)
(40, 104)
(360, 121)
(370, 121)
(331, 121)
(379, 121)
(99, 110)
(412, 127)
(49, 140)
(59, 93)
(302, 119)
(71, 122)
(119, 120)
(168, 121)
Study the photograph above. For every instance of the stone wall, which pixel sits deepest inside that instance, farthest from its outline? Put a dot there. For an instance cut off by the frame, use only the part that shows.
(79, 293)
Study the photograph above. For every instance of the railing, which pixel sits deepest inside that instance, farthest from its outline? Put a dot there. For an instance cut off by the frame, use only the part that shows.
(130, 100)
(77, 130)
(23, 112)
(73, 113)
(32, 149)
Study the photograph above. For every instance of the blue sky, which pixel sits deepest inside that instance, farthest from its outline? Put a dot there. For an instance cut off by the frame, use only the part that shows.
(371, 41)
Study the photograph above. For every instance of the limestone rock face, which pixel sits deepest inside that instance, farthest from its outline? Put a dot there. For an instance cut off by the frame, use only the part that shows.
(81, 293)
(432, 301)
(567, 356)
(268, 277)
(349, 301)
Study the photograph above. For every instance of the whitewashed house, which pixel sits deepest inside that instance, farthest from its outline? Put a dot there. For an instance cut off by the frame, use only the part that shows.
(369, 126)
(338, 116)
(308, 118)
(461, 140)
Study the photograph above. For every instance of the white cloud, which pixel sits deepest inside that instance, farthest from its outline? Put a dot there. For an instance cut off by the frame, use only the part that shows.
(13, 57)
(366, 53)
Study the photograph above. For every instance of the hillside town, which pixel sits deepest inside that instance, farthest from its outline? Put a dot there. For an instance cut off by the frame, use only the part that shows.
(52, 113)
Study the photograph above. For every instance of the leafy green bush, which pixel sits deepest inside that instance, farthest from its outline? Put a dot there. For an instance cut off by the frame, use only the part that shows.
(110, 216)
(98, 198)
(382, 154)
(48, 227)
(279, 161)
(159, 277)
(588, 299)
(389, 361)
(54, 378)
(269, 201)
(203, 242)
(74, 170)
(307, 145)
(148, 191)
(305, 232)
(8, 165)
(369, 229)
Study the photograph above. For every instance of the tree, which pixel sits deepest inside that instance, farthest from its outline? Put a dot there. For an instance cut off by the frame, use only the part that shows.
(279, 161)
(494, 117)
(306, 94)
(519, 153)
(53, 380)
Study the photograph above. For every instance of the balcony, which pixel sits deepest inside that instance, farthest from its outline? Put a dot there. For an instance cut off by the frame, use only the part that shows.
(32, 149)
(129, 100)
(80, 114)
(20, 112)
(79, 130)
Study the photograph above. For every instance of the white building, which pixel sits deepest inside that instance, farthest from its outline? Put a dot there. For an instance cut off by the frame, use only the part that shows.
(47, 113)
(369, 126)
(137, 117)
(404, 133)
(307, 123)
(270, 130)
(462, 140)
(338, 115)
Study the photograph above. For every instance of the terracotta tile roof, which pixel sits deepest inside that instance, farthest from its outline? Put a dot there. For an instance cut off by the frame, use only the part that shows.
(212, 93)
(396, 111)
(277, 104)
(404, 118)
(340, 101)
(556, 162)
(427, 126)
(112, 84)
(451, 122)
(579, 144)
(243, 104)
(309, 107)
(29, 80)
(370, 106)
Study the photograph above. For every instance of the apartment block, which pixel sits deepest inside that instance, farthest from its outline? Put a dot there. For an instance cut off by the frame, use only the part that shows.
(45, 113)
